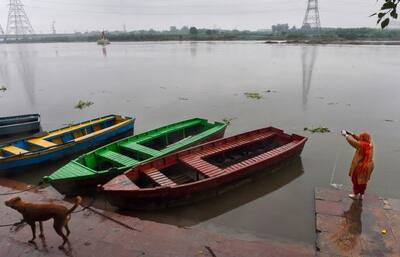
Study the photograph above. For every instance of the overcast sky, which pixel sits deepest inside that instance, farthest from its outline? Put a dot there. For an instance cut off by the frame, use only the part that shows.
(84, 15)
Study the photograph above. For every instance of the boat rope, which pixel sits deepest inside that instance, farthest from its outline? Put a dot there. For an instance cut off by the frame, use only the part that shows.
(86, 207)
(15, 224)
(22, 191)
(335, 185)
(114, 220)
(89, 207)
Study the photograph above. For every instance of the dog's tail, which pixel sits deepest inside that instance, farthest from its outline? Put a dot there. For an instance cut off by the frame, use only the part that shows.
(78, 200)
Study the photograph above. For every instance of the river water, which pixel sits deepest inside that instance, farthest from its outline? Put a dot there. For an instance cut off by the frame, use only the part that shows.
(339, 87)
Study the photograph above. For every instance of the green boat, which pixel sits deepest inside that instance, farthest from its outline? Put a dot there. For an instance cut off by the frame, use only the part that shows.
(101, 165)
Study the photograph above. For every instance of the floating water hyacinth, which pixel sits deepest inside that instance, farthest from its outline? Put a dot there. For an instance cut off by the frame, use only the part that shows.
(83, 104)
(318, 130)
(3, 88)
(253, 95)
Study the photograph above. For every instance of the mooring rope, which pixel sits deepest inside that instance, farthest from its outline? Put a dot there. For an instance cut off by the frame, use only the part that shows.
(21, 191)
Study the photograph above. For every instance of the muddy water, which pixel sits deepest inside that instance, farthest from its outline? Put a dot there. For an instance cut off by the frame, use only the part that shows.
(352, 87)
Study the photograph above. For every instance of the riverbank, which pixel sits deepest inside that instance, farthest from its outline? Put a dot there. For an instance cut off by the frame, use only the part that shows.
(96, 232)
(333, 42)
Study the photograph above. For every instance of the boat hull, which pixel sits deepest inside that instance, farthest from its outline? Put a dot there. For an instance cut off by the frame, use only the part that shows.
(19, 124)
(67, 149)
(85, 185)
(165, 197)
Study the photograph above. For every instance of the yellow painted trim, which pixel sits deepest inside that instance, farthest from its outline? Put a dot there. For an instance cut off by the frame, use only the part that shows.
(14, 150)
(74, 127)
(102, 131)
(41, 142)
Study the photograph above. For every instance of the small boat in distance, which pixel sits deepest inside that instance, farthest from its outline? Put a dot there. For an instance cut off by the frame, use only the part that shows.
(99, 166)
(201, 172)
(19, 124)
(59, 143)
(103, 40)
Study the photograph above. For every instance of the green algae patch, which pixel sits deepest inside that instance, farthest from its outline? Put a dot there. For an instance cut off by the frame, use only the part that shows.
(253, 95)
(83, 104)
(318, 130)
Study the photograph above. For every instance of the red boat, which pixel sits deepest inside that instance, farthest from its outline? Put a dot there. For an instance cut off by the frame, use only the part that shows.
(202, 171)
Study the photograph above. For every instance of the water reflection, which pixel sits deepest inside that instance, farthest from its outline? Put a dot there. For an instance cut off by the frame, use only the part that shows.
(193, 48)
(247, 191)
(347, 238)
(104, 51)
(4, 79)
(308, 56)
(26, 64)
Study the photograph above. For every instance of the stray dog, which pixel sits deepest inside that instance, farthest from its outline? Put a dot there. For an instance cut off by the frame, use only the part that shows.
(40, 212)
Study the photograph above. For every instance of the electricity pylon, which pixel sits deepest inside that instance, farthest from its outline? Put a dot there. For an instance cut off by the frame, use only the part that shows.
(18, 22)
(311, 19)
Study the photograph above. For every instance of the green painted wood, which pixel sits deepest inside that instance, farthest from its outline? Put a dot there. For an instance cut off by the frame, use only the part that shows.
(141, 148)
(117, 158)
(88, 166)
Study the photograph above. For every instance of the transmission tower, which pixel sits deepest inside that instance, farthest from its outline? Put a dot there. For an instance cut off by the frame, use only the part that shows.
(1, 31)
(311, 19)
(18, 22)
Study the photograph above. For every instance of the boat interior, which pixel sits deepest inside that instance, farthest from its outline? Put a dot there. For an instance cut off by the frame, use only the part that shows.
(142, 147)
(72, 133)
(209, 162)
(19, 119)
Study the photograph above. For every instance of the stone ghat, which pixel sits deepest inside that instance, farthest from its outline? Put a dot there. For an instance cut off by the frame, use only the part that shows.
(354, 228)
(92, 234)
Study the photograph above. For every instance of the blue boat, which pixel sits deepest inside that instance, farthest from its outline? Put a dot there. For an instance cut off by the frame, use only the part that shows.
(59, 143)
(19, 124)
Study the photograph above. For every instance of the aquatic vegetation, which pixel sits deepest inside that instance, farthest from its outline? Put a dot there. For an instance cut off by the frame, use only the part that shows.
(253, 95)
(317, 130)
(83, 104)
(3, 88)
(228, 121)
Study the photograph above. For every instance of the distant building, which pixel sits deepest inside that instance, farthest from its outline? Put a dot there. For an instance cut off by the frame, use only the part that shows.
(173, 29)
(280, 28)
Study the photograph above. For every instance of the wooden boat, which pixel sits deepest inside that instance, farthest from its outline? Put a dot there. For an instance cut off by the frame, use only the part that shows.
(58, 143)
(101, 165)
(201, 171)
(19, 124)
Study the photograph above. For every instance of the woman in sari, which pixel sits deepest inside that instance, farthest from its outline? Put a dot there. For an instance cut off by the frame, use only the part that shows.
(362, 164)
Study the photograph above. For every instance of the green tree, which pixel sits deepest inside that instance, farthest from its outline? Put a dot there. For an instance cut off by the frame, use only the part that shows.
(193, 31)
(387, 12)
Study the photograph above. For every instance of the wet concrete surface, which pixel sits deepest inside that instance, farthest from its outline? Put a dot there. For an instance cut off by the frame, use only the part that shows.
(352, 228)
(100, 233)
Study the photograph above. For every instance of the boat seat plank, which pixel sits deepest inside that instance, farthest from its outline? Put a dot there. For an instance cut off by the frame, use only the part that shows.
(41, 142)
(141, 148)
(159, 177)
(14, 150)
(202, 166)
(259, 158)
(234, 144)
(117, 158)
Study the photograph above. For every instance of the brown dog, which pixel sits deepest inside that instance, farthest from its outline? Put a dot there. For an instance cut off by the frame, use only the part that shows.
(40, 212)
